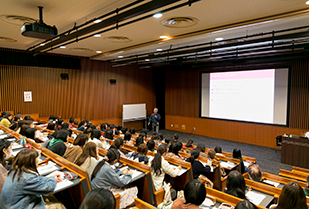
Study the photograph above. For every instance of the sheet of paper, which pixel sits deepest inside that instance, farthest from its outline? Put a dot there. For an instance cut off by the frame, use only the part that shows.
(11, 139)
(18, 146)
(63, 184)
(247, 164)
(255, 197)
(227, 165)
(3, 136)
(46, 169)
(182, 171)
(276, 184)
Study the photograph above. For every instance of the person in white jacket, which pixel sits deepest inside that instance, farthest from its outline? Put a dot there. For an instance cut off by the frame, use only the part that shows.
(159, 166)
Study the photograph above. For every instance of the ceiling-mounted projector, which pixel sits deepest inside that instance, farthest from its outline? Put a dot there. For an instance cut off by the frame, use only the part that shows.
(39, 29)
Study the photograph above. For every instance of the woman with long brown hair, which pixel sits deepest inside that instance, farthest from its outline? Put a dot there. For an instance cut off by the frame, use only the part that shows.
(24, 186)
(89, 157)
(291, 196)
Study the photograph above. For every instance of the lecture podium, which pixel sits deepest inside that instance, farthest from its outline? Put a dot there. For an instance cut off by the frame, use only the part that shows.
(295, 151)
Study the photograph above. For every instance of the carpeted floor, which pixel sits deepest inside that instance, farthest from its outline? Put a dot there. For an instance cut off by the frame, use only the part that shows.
(266, 158)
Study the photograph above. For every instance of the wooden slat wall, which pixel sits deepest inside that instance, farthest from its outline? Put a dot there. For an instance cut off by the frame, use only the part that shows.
(182, 106)
(87, 94)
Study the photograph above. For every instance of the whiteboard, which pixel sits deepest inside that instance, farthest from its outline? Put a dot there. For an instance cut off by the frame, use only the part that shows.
(134, 112)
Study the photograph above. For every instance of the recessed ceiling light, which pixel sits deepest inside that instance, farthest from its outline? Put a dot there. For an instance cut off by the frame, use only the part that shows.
(157, 15)
(147, 60)
(63, 47)
(98, 52)
(120, 56)
(159, 50)
(42, 44)
(165, 37)
(307, 2)
(219, 39)
(97, 21)
(97, 35)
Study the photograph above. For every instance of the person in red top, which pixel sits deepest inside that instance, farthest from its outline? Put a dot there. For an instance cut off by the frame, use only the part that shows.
(195, 194)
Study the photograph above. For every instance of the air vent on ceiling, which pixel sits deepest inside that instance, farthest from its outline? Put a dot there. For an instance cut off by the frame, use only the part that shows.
(118, 39)
(7, 39)
(16, 19)
(179, 22)
(81, 49)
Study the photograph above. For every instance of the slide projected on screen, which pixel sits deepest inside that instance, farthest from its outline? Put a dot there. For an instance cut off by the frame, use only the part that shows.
(252, 95)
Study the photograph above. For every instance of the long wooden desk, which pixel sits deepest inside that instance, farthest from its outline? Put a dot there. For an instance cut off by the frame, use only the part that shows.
(295, 151)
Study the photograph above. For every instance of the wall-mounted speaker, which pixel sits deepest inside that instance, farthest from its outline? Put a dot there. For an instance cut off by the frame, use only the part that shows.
(112, 81)
(64, 76)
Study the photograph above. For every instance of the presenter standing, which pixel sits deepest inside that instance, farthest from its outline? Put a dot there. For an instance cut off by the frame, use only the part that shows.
(154, 120)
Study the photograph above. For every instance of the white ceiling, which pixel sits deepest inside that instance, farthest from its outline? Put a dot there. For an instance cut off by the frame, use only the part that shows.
(210, 13)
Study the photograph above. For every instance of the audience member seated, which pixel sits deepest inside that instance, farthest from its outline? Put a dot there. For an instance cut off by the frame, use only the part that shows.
(174, 149)
(201, 148)
(175, 137)
(255, 173)
(24, 186)
(218, 150)
(27, 117)
(109, 134)
(246, 204)
(236, 185)
(291, 196)
(52, 118)
(25, 125)
(189, 144)
(306, 190)
(99, 199)
(57, 145)
(118, 144)
(32, 133)
(104, 176)
(139, 140)
(124, 130)
(127, 137)
(140, 155)
(65, 126)
(17, 118)
(74, 150)
(159, 166)
(195, 194)
(167, 142)
(2, 115)
(97, 139)
(59, 123)
(89, 157)
(5, 153)
(197, 167)
(51, 126)
(161, 136)
(19, 125)
(81, 125)
(237, 155)
(89, 128)
(211, 156)
(103, 127)
(132, 131)
(151, 145)
(6, 120)
(71, 122)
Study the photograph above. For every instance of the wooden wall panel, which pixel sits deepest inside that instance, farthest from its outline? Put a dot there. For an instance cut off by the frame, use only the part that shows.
(182, 105)
(263, 135)
(87, 94)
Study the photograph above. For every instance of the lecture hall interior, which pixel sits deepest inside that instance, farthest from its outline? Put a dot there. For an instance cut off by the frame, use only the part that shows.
(236, 71)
